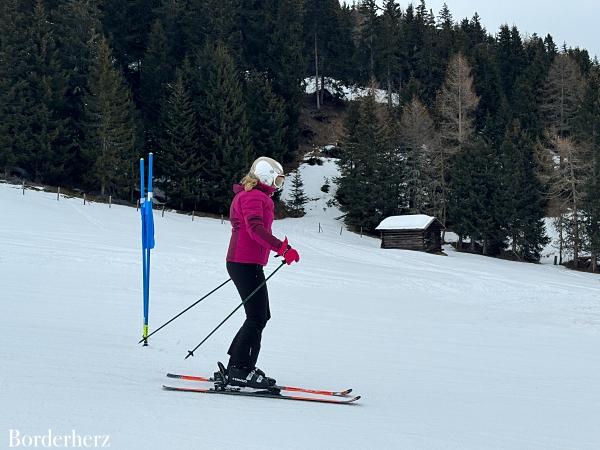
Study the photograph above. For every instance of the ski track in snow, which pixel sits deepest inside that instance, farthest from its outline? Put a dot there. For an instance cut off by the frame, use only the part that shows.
(455, 352)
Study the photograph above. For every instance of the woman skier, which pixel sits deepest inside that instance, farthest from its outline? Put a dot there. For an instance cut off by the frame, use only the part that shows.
(251, 215)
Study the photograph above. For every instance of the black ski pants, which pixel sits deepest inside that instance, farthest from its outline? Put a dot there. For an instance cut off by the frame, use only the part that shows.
(245, 347)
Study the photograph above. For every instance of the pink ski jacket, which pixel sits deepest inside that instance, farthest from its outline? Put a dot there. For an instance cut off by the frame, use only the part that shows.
(251, 215)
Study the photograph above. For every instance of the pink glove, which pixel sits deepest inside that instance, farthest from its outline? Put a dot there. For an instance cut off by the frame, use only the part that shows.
(289, 254)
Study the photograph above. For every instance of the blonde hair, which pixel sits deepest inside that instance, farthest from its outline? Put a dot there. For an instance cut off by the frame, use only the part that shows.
(249, 182)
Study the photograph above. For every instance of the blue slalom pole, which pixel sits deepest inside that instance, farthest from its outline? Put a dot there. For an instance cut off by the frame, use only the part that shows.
(148, 245)
(144, 259)
(147, 238)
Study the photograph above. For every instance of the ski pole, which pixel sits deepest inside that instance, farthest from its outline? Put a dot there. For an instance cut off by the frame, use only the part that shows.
(184, 311)
(191, 352)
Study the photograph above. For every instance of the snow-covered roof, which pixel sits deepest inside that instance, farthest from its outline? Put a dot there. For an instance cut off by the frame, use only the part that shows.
(407, 222)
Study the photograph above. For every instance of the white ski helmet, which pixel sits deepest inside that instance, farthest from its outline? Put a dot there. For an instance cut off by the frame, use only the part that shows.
(268, 171)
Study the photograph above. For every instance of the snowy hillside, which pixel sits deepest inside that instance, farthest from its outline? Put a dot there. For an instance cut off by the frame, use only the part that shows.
(348, 93)
(314, 177)
(456, 352)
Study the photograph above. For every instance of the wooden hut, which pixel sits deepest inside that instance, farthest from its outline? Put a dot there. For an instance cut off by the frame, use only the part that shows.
(411, 232)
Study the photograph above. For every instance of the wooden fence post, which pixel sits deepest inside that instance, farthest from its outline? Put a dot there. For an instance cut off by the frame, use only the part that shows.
(110, 201)
(221, 219)
(555, 260)
(84, 198)
(341, 228)
(361, 231)
(320, 229)
(23, 187)
(193, 214)
(137, 204)
(58, 194)
(163, 211)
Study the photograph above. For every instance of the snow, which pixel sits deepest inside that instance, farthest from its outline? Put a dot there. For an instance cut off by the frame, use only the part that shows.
(348, 93)
(450, 236)
(455, 352)
(406, 222)
(314, 177)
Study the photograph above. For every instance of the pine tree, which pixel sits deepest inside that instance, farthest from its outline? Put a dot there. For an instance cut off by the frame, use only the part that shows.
(156, 73)
(388, 46)
(180, 159)
(492, 114)
(78, 30)
(391, 167)
(224, 133)
(522, 204)
(551, 48)
(587, 131)
(285, 65)
(582, 58)
(350, 166)
(266, 117)
(256, 22)
(528, 89)
(367, 45)
(366, 191)
(110, 126)
(14, 101)
(345, 68)
(175, 18)
(272, 44)
(475, 197)
(510, 57)
(409, 48)
(297, 196)
(445, 36)
(320, 50)
(562, 94)
(127, 25)
(431, 64)
(45, 157)
(214, 21)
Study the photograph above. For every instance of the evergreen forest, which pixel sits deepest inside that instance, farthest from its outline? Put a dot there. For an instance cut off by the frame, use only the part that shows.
(490, 131)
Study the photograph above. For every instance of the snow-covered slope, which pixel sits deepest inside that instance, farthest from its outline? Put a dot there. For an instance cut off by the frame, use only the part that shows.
(314, 178)
(456, 352)
(348, 93)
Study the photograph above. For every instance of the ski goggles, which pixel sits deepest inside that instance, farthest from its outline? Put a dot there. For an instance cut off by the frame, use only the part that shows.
(279, 180)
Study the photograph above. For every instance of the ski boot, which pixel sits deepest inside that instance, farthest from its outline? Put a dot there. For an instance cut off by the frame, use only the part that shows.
(245, 377)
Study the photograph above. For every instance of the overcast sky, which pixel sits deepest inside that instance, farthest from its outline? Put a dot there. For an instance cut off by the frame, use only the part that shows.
(575, 22)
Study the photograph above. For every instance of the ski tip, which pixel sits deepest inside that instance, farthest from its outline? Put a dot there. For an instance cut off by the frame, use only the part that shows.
(353, 399)
(344, 393)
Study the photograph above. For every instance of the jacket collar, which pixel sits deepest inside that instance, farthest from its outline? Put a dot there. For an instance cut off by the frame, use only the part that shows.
(269, 190)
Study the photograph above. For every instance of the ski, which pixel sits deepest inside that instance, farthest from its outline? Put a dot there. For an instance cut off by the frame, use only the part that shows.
(266, 394)
(343, 393)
